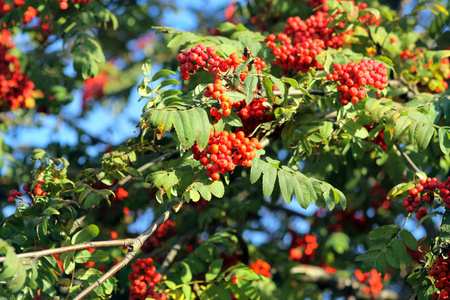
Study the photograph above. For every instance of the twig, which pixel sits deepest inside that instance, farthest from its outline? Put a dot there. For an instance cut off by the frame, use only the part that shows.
(37, 254)
(133, 249)
(407, 158)
(338, 284)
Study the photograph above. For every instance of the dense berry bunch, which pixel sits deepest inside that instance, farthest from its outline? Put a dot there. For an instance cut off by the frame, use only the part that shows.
(369, 18)
(302, 40)
(303, 249)
(162, 234)
(261, 267)
(38, 189)
(13, 194)
(225, 151)
(252, 115)
(29, 15)
(93, 87)
(440, 272)
(200, 57)
(353, 77)
(425, 192)
(16, 90)
(373, 279)
(143, 280)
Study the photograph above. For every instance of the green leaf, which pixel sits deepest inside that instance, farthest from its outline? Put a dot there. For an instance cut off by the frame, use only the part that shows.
(371, 255)
(85, 235)
(214, 269)
(408, 239)
(183, 127)
(268, 88)
(391, 257)
(203, 127)
(400, 126)
(10, 265)
(354, 129)
(269, 178)
(279, 84)
(185, 270)
(250, 83)
(86, 256)
(147, 67)
(233, 120)
(400, 250)
(285, 180)
(162, 73)
(380, 264)
(301, 191)
(187, 291)
(216, 188)
(444, 141)
(255, 170)
(182, 39)
(400, 189)
(425, 133)
(382, 231)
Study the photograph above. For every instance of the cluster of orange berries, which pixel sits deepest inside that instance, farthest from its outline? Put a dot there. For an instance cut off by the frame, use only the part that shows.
(143, 280)
(261, 267)
(440, 271)
(302, 40)
(225, 151)
(373, 279)
(352, 78)
(303, 249)
(93, 87)
(15, 87)
(162, 234)
(200, 57)
(12, 196)
(28, 15)
(425, 192)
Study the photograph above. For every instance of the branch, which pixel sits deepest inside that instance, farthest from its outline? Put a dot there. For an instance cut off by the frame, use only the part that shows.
(38, 254)
(407, 158)
(292, 93)
(338, 284)
(132, 249)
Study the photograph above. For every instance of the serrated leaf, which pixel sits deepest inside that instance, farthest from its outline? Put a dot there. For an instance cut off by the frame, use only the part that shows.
(185, 272)
(85, 235)
(380, 264)
(382, 231)
(147, 67)
(400, 125)
(214, 269)
(391, 257)
(86, 256)
(162, 73)
(444, 141)
(400, 189)
(354, 129)
(425, 134)
(183, 127)
(250, 83)
(285, 180)
(301, 191)
(408, 239)
(269, 179)
(216, 188)
(400, 250)
(268, 88)
(182, 39)
(255, 170)
(371, 255)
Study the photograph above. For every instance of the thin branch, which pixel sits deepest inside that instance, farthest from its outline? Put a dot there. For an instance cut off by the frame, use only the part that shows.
(407, 158)
(132, 250)
(38, 254)
(340, 285)
(292, 93)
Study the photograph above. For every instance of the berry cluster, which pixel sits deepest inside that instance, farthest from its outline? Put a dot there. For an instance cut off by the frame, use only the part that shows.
(252, 115)
(379, 139)
(12, 196)
(328, 269)
(369, 18)
(303, 249)
(373, 279)
(225, 151)
(352, 78)
(16, 90)
(440, 271)
(143, 280)
(200, 57)
(162, 234)
(425, 192)
(29, 15)
(93, 87)
(38, 189)
(302, 40)
(261, 267)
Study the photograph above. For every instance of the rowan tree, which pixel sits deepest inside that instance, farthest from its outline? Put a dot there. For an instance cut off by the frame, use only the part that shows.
(340, 107)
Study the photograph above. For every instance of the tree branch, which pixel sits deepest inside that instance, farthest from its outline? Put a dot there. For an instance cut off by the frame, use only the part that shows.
(38, 254)
(132, 249)
(407, 158)
(292, 93)
(338, 284)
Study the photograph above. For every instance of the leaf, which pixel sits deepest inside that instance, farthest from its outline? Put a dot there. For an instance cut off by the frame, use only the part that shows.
(367, 255)
(382, 231)
(216, 188)
(162, 73)
(268, 88)
(86, 256)
(182, 39)
(255, 170)
(214, 269)
(444, 141)
(408, 239)
(400, 250)
(86, 234)
(250, 83)
(380, 264)
(391, 257)
(186, 275)
(269, 178)
(203, 127)
(278, 83)
(183, 127)
(301, 192)
(354, 129)
(147, 67)
(425, 133)
(285, 180)
(400, 125)
(233, 120)
(400, 189)
(187, 291)
(10, 265)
